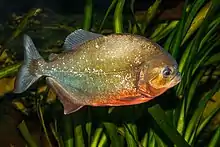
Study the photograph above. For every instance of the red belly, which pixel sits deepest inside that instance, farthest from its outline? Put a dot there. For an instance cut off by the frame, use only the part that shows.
(131, 97)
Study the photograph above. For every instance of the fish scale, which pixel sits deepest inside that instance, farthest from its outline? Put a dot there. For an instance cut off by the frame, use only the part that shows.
(94, 83)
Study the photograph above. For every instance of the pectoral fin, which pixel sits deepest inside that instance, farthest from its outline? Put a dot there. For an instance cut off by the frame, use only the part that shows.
(68, 101)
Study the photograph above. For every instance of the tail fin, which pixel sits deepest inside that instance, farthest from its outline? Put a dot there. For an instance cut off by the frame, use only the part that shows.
(26, 75)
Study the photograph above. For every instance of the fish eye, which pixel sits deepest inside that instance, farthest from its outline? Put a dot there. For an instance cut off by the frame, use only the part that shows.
(167, 72)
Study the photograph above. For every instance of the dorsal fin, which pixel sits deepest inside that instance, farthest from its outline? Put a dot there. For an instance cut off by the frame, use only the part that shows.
(78, 37)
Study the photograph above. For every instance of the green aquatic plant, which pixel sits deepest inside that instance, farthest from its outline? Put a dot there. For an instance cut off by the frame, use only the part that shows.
(26, 134)
(193, 41)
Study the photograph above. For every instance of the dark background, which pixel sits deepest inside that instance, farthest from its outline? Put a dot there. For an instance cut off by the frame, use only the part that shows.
(7, 7)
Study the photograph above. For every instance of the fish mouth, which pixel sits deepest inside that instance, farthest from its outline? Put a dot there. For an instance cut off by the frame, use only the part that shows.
(176, 79)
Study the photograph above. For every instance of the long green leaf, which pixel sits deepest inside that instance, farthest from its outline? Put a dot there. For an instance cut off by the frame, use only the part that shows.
(144, 140)
(181, 119)
(151, 139)
(179, 33)
(118, 17)
(9, 70)
(78, 134)
(211, 30)
(88, 15)
(159, 141)
(89, 125)
(89, 131)
(204, 56)
(160, 117)
(107, 13)
(56, 135)
(96, 136)
(136, 27)
(168, 43)
(213, 59)
(26, 134)
(192, 89)
(215, 139)
(103, 141)
(68, 131)
(24, 22)
(195, 120)
(130, 135)
(159, 28)
(41, 117)
(206, 120)
(197, 21)
(149, 15)
(184, 58)
(112, 132)
(193, 53)
(202, 31)
(163, 31)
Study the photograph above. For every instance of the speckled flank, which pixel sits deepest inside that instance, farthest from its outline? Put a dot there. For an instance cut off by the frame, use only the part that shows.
(108, 54)
(103, 69)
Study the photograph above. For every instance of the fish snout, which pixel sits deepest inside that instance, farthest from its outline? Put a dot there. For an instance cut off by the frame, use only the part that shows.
(176, 79)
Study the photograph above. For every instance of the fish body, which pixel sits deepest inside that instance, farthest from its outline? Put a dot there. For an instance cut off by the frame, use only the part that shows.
(97, 70)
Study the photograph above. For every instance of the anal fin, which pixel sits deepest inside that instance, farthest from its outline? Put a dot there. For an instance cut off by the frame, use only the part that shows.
(64, 96)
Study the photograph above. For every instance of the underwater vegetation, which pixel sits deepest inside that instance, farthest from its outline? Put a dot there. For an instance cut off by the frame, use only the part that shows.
(186, 115)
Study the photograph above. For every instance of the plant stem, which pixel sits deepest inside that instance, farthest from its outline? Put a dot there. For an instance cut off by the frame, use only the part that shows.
(68, 131)
(88, 15)
(26, 134)
(56, 135)
(118, 17)
(107, 13)
(43, 125)
(9, 70)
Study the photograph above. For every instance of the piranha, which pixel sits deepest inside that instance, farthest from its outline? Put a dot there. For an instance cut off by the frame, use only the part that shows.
(101, 70)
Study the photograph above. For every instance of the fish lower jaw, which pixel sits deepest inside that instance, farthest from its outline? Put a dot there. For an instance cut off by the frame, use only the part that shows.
(152, 92)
